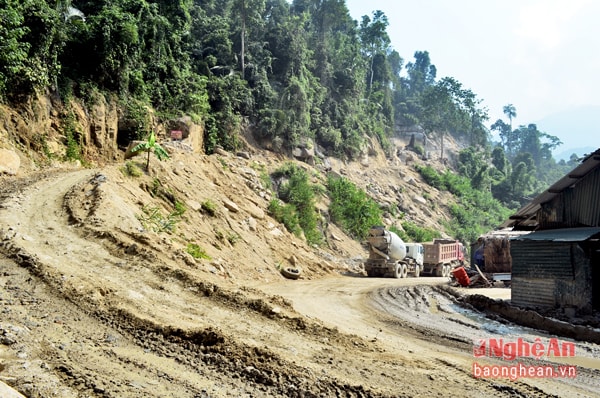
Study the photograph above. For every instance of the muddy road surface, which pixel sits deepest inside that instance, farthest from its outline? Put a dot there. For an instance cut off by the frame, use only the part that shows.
(92, 306)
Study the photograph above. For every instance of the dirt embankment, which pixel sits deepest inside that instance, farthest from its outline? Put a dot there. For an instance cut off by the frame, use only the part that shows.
(96, 304)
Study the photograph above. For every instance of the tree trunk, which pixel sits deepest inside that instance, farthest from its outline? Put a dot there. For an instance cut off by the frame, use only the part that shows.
(243, 38)
(442, 155)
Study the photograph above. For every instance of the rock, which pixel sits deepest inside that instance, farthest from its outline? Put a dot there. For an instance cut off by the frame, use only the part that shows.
(194, 205)
(335, 237)
(276, 232)
(8, 392)
(231, 206)
(252, 224)
(221, 152)
(411, 181)
(9, 162)
(304, 154)
(255, 211)
(420, 199)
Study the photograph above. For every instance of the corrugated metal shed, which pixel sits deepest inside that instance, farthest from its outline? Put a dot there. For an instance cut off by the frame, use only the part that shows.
(550, 268)
(583, 208)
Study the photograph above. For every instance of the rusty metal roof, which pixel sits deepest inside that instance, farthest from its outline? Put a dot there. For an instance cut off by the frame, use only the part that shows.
(562, 235)
(526, 215)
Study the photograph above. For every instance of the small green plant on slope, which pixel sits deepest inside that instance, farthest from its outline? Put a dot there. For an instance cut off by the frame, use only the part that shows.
(196, 251)
(150, 145)
(209, 207)
(420, 234)
(153, 219)
(72, 136)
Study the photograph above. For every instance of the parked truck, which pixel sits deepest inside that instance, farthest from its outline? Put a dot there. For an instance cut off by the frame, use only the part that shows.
(441, 256)
(390, 256)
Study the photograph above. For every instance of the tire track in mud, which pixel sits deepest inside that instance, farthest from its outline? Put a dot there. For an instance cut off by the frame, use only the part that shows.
(430, 313)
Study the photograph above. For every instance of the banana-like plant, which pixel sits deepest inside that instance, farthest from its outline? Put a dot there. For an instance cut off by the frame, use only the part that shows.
(150, 145)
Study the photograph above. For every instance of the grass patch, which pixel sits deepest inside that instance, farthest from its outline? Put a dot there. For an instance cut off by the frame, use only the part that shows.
(196, 251)
(209, 207)
(153, 219)
(130, 169)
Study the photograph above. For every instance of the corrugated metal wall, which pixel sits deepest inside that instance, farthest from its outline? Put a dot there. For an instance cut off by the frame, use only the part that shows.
(533, 292)
(574, 207)
(550, 273)
(541, 259)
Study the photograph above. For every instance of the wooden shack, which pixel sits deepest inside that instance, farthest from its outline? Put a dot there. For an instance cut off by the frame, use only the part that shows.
(491, 252)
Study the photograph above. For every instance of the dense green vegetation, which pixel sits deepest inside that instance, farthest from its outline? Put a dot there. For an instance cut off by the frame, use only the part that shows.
(411, 232)
(289, 73)
(351, 208)
(476, 210)
(297, 212)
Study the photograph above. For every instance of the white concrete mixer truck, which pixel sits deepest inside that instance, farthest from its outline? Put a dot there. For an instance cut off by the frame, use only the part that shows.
(390, 256)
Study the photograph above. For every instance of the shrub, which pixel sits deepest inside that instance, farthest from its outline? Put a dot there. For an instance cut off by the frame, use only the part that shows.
(420, 234)
(351, 208)
(209, 207)
(299, 196)
(474, 213)
(286, 214)
(153, 219)
(72, 138)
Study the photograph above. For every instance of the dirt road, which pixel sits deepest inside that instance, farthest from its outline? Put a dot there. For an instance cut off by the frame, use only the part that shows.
(93, 306)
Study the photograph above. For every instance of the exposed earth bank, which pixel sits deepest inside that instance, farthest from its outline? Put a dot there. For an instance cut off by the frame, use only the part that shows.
(96, 304)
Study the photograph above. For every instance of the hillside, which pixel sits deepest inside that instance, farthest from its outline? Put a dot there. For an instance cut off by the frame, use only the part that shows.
(96, 303)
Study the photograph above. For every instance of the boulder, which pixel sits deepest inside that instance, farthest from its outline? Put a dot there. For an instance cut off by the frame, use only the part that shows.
(9, 162)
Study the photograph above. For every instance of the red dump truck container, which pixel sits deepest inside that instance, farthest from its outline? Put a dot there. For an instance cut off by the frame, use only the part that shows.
(441, 256)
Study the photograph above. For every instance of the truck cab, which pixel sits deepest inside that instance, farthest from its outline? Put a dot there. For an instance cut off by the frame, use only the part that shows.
(416, 252)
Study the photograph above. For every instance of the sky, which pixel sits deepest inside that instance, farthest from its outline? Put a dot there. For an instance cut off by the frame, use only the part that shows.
(542, 56)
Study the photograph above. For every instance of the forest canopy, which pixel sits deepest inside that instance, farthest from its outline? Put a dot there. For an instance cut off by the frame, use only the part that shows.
(289, 72)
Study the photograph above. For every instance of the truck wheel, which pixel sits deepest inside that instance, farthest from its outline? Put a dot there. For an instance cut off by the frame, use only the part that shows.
(439, 270)
(398, 271)
(417, 271)
(404, 271)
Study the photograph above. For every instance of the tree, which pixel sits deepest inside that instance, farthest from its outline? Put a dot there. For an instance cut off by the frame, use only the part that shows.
(149, 146)
(504, 131)
(421, 73)
(374, 38)
(447, 107)
(510, 111)
(13, 49)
